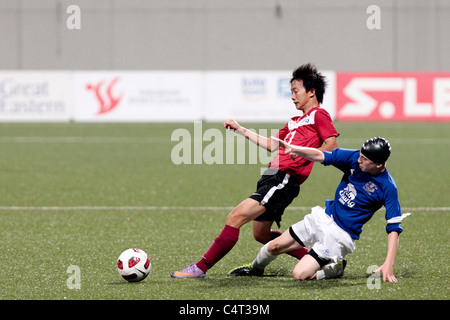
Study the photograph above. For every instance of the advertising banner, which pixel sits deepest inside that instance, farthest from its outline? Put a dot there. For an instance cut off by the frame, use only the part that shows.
(393, 96)
(35, 96)
(127, 96)
(216, 96)
(252, 96)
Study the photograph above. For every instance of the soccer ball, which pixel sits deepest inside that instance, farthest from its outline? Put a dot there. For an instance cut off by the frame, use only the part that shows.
(134, 265)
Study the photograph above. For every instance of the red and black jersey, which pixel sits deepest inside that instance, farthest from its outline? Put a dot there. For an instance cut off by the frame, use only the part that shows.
(309, 130)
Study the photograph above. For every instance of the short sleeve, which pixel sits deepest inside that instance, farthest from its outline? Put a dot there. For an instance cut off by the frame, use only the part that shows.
(324, 124)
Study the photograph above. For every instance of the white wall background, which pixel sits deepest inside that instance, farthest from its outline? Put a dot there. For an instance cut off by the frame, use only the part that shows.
(225, 35)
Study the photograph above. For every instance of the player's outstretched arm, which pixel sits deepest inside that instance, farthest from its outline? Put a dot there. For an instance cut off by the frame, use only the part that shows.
(261, 141)
(387, 269)
(311, 154)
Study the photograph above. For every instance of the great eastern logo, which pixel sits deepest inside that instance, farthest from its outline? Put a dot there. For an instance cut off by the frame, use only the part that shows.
(103, 91)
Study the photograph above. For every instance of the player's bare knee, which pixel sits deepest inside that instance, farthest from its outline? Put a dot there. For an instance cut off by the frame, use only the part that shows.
(301, 275)
(274, 248)
(236, 219)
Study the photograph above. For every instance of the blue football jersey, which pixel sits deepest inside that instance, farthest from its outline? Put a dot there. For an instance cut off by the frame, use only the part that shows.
(359, 195)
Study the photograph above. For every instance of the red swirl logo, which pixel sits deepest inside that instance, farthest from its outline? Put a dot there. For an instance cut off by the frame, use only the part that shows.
(103, 91)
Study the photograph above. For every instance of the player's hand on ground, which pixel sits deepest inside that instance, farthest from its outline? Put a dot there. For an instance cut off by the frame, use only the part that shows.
(387, 273)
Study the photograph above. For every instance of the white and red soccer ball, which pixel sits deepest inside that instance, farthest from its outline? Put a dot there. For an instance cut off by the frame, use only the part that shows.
(134, 265)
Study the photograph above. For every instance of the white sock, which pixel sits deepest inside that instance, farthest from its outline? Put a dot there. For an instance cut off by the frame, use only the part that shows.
(320, 274)
(263, 258)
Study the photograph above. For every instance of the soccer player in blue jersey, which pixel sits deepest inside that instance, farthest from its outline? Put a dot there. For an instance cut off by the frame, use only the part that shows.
(331, 232)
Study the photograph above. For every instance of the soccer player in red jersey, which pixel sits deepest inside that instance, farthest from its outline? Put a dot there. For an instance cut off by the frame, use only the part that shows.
(280, 183)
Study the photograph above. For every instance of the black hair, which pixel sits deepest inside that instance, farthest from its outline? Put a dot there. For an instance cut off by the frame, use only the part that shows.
(311, 78)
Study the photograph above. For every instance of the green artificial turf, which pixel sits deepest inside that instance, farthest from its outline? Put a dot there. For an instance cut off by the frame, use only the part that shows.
(80, 194)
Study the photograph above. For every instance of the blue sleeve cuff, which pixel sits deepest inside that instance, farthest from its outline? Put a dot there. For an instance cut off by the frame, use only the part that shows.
(326, 161)
(394, 227)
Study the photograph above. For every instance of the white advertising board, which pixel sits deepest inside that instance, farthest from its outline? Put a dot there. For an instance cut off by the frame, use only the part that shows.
(38, 96)
(127, 96)
(256, 96)
(151, 96)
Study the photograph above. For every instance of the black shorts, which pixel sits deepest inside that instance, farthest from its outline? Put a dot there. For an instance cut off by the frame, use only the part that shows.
(275, 191)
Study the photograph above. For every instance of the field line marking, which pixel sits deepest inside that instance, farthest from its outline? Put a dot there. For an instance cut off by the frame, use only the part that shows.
(92, 208)
(80, 139)
(142, 139)
(153, 208)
